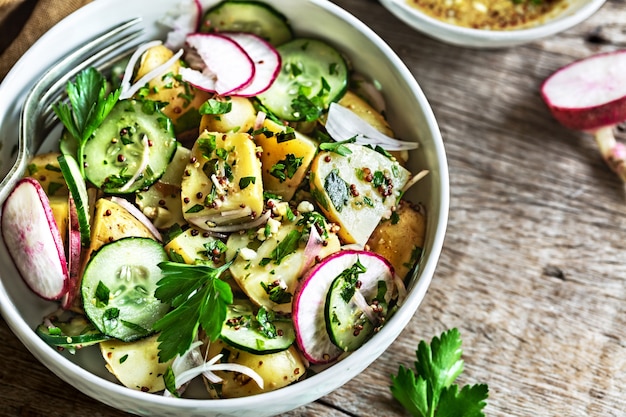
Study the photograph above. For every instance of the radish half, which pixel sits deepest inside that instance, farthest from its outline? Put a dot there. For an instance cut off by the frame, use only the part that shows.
(33, 240)
(226, 67)
(309, 303)
(266, 61)
(590, 95)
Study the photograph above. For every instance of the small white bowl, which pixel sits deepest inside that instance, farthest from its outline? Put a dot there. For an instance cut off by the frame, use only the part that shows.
(575, 12)
(409, 114)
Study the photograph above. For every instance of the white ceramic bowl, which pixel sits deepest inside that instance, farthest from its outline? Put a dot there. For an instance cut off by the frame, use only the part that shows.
(575, 12)
(409, 113)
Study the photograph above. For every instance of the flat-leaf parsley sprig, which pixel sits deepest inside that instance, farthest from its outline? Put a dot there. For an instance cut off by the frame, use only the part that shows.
(199, 298)
(430, 391)
(89, 104)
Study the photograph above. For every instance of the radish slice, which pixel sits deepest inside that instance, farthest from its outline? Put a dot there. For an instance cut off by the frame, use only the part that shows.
(73, 258)
(309, 303)
(226, 66)
(266, 61)
(33, 240)
(590, 95)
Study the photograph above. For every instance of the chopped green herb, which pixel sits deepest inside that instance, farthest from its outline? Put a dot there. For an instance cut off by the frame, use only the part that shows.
(350, 277)
(244, 182)
(284, 248)
(277, 293)
(337, 189)
(286, 168)
(338, 147)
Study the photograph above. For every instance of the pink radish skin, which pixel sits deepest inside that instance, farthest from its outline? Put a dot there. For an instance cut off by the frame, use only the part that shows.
(227, 67)
(32, 238)
(266, 59)
(309, 302)
(73, 259)
(590, 95)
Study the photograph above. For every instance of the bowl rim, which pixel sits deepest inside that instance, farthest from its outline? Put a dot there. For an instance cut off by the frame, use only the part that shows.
(94, 385)
(465, 36)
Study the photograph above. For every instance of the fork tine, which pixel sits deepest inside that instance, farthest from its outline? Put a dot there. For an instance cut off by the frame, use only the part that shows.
(29, 141)
(102, 60)
(51, 83)
(121, 46)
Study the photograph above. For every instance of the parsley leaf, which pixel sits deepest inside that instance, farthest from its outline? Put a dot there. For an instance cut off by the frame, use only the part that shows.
(430, 391)
(199, 299)
(88, 107)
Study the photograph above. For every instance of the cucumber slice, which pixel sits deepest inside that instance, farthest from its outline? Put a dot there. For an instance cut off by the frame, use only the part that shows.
(241, 330)
(310, 68)
(347, 324)
(118, 287)
(73, 334)
(78, 191)
(248, 16)
(131, 149)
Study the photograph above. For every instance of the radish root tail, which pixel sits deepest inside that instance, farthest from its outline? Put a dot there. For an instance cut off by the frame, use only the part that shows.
(613, 152)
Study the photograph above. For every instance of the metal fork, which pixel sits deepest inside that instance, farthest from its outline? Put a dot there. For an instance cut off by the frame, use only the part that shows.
(37, 118)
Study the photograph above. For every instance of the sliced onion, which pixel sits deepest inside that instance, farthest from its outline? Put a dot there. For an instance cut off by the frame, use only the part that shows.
(401, 288)
(367, 309)
(130, 66)
(156, 72)
(414, 180)
(209, 367)
(139, 216)
(201, 222)
(145, 158)
(343, 123)
(371, 92)
(313, 247)
(260, 119)
(182, 363)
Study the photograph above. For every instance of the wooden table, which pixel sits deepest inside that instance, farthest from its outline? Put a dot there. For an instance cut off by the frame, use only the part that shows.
(532, 273)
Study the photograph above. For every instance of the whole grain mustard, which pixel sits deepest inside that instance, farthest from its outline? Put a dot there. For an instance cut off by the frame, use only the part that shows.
(490, 14)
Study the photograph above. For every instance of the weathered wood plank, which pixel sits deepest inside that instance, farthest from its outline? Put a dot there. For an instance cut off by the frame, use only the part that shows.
(533, 269)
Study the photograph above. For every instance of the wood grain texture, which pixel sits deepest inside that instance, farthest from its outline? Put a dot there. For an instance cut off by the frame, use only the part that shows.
(533, 269)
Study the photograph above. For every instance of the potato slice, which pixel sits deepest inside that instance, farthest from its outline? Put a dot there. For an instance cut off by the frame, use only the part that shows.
(161, 201)
(222, 183)
(136, 364)
(46, 170)
(60, 206)
(285, 162)
(277, 369)
(240, 118)
(190, 245)
(183, 99)
(356, 191)
(255, 270)
(401, 240)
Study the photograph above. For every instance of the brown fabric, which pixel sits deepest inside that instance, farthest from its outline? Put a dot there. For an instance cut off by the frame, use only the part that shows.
(34, 18)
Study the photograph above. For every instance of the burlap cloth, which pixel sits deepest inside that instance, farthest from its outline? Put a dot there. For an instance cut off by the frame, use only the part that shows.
(22, 22)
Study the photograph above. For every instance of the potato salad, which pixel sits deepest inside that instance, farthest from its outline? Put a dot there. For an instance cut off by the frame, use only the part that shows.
(228, 205)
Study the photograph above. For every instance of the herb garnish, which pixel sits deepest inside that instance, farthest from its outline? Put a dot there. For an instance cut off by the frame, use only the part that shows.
(337, 189)
(286, 168)
(89, 106)
(338, 147)
(199, 299)
(430, 391)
